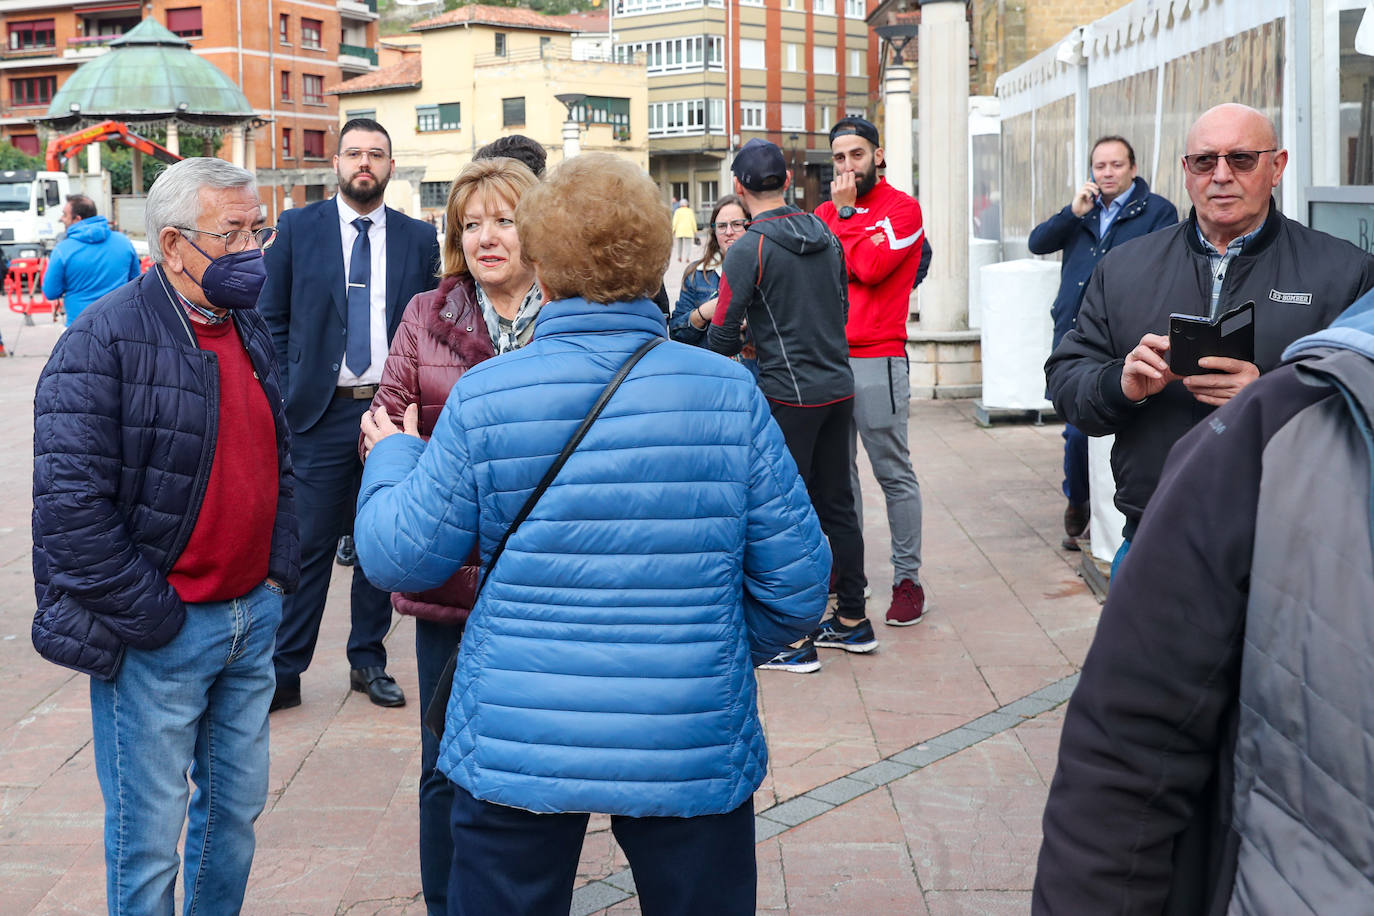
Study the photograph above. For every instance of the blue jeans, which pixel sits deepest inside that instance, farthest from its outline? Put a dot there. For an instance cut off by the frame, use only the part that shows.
(1075, 465)
(434, 643)
(198, 703)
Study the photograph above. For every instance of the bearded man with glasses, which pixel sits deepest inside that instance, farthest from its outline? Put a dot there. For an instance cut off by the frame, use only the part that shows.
(1111, 374)
(338, 280)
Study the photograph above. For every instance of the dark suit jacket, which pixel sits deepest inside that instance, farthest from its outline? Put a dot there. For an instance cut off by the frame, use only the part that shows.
(304, 300)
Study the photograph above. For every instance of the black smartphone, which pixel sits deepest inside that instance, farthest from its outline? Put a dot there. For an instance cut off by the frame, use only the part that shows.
(1191, 337)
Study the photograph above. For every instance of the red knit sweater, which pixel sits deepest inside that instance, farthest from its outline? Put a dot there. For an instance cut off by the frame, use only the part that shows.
(229, 549)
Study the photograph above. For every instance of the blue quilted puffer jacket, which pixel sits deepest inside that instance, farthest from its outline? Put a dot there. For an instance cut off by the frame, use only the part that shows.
(123, 438)
(608, 664)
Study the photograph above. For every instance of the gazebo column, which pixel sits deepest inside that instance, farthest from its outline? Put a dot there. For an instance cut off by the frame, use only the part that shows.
(236, 146)
(136, 168)
(93, 159)
(173, 139)
(250, 150)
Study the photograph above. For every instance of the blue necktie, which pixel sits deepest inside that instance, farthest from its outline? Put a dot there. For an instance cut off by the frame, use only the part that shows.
(358, 355)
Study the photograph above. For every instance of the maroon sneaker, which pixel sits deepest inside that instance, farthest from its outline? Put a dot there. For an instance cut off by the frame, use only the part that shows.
(908, 604)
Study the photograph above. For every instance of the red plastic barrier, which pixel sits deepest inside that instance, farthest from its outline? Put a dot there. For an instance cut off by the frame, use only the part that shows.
(145, 263)
(24, 288)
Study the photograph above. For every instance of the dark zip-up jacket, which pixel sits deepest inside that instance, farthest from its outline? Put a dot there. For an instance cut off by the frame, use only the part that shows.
(125, 432)
(1077, 237)
(1298, 278)
(1215, 755)
(787, 277)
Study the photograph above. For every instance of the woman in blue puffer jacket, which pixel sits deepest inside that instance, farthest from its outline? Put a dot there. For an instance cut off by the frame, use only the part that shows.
(608, 663)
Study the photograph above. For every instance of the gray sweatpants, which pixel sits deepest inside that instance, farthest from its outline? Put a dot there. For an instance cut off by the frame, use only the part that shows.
(882, 397)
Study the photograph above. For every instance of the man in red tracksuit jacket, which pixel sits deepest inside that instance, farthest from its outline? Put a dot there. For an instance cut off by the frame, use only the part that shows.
(881, 231)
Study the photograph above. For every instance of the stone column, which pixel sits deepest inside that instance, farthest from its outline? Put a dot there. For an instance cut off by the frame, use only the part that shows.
(136, 173)
(945, 357)
(93, 159)
(236, 146)
(173, 138)
(572, 139)
(250, 150)
(897, 130)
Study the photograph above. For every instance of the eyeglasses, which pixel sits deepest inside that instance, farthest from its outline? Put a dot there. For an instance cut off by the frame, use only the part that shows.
(1242, 160)
(237, 240)
(737, 225)
(353, 154)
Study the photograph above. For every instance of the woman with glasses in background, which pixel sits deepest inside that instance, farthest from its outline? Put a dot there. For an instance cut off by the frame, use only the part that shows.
(696, 303)
(486, 303)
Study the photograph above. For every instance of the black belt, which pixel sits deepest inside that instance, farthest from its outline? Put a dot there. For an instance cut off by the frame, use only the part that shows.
(355, 392)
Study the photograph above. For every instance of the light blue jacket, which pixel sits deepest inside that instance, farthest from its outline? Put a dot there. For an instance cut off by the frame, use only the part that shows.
(91, 261)
(608, 664)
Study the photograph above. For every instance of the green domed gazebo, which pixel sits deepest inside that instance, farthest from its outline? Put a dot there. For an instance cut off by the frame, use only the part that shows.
(151, 78)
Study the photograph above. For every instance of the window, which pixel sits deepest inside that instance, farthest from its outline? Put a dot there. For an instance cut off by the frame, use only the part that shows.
(792, 57)
(856, 63)
(286, 85)
(513, 112)
(33, 35)
(312, 89)
(185, 21)
(312, 34)
(680, 189)
(286, 143)
(33, 90)
(312, 144)
(717, 121)
(823, 7)
(314, 192)
(707, 192)
(793, 116)
(369, 113)
(751, 115)
(434, 194)
(426, 118)
(751, 2)
(687, 116)
(449, 116)
(596, 109)
(825, 123)
(283, 27)
(500, 44)
(823, 59)
(545, 42)
(715, 52)
(636, 7)
(854, 9)
(751, 54)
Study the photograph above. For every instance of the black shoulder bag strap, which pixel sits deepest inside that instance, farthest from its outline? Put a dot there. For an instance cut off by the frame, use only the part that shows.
(438, 704)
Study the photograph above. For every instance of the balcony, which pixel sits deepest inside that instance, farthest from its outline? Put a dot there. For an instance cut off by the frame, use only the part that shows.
(357, 57)
(365, 10)
(25, 54)
(88, 47)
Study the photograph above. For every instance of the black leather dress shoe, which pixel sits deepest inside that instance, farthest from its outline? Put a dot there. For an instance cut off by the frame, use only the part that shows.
(380, 687)
(286, 696)
(1076, 519)
(347, 554)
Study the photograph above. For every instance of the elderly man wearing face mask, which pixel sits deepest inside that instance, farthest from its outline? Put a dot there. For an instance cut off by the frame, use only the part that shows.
(165, 537)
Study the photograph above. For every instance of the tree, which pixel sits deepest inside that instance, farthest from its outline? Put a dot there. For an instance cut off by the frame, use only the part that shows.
(12, 157)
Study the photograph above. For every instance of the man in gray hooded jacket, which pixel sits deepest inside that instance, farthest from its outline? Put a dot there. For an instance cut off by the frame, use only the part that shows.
(1215, 754)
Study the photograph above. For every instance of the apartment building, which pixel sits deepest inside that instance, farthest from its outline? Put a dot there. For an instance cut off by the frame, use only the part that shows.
(281, 53)
(479, 72)
(722, 72)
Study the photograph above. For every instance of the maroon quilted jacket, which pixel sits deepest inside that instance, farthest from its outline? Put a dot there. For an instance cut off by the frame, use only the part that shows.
(442, 334)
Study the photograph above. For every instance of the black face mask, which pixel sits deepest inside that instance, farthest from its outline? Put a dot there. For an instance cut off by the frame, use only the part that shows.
(233, 281)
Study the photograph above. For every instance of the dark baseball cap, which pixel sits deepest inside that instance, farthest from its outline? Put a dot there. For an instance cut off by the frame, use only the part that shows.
(856, 126)
(759, 166)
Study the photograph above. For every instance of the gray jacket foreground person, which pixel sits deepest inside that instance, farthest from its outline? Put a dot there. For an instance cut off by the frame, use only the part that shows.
(1216, 754)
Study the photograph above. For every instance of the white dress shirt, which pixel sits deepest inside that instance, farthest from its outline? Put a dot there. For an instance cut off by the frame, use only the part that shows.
(376, 237)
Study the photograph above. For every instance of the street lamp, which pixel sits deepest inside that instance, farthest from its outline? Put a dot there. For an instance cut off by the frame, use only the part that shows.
(572, 131)
(897, 101)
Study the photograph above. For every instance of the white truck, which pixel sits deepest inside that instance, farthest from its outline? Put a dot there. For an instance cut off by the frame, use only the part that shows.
(30, 211)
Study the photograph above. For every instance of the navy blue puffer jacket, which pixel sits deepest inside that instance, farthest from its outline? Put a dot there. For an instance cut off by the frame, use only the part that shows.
(608, 664)
(124, 435)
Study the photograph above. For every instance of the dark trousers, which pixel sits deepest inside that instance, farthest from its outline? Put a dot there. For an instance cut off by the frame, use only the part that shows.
(434, 643)
(328, 472)
(508, 861)
(818, 438)
(1075, 465)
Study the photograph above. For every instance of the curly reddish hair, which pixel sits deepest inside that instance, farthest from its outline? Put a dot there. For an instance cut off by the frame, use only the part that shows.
(504, 179)
(595, 228)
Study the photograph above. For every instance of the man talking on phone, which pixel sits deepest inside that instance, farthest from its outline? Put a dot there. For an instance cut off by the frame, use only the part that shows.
(1112, 207)
(1110, 374)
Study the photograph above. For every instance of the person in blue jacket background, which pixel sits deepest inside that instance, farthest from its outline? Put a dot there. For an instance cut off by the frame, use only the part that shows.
(608, 663)
(1111, 208)
(91, 261)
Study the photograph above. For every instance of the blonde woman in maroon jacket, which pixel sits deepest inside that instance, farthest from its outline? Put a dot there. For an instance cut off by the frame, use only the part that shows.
(486, 302)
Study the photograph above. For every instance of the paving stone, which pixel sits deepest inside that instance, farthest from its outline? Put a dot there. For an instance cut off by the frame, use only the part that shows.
(1058, 691)
(1029, 707)
(764, 829)
(625, 880)
(589, 898)
(994, 722)
(797, 810)
(840, 791)
(921, 755)
(883, 772)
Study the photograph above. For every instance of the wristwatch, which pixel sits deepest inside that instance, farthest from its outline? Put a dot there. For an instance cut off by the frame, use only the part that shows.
(847, 212)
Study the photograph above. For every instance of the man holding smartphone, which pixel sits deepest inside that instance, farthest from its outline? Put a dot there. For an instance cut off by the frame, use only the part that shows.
(1110, 373)
(1112, 207)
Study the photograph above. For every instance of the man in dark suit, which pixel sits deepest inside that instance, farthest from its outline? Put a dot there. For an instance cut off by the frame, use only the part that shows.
(338, 279)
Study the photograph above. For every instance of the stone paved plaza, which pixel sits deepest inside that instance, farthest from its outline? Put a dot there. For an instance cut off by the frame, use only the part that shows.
(909, 781)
